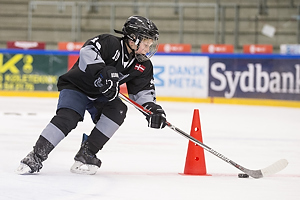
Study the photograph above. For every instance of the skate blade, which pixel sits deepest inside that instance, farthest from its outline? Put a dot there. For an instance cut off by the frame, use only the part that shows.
(80, 168)
(23, 169)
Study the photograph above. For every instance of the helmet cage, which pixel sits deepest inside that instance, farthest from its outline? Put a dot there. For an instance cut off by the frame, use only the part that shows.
(138, 29)
(152, 50)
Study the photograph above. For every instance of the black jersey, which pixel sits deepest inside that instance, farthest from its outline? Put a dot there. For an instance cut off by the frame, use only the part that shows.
(108, 50)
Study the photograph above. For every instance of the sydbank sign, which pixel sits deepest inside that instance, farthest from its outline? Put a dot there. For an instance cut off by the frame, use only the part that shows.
(255, 78)
(181, 76)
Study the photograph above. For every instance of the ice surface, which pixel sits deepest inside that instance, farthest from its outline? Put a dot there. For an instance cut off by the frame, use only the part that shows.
(140, 163)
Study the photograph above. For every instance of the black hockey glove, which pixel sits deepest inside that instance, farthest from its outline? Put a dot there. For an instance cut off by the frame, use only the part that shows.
(158, 118)
(108, 83)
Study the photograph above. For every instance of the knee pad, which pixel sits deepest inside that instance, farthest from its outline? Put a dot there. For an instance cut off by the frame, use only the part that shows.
(66, 120)
(116, 111)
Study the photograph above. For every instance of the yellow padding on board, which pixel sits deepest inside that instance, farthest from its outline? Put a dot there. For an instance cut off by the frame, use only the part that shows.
(238, 101)
(29, 94)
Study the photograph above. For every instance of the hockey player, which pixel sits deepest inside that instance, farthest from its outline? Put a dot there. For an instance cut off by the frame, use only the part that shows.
(92, 84)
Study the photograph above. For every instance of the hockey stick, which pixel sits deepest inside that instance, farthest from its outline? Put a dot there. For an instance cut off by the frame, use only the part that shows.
(272, 169)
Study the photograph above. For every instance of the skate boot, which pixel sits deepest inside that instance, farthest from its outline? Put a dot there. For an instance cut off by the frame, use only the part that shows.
(30, 164)
(85, 161)
(33, 161)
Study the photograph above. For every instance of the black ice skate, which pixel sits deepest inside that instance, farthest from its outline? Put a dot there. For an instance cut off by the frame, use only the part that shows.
(33, 161)
(85, 161)
(30, 164)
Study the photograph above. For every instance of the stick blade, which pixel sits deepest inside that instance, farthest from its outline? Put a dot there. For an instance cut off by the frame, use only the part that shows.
(268, 171)
(274, 168)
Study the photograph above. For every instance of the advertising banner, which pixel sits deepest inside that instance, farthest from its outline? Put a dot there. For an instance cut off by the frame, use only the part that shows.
(217, 48)
(25, 45)
(26, 72)
(72, 58)
(270, 78)
(70, 46)
(196, 76)
(258, 48)
(175, 48)
(290, 49)
(181, 76)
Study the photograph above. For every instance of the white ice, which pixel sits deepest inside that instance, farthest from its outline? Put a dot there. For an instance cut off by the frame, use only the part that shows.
(140, 163)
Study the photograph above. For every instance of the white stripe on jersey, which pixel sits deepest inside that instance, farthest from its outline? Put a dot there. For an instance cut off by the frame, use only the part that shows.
(89, 56)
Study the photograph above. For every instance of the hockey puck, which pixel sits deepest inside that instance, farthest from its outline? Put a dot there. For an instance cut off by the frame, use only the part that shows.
(243, 175)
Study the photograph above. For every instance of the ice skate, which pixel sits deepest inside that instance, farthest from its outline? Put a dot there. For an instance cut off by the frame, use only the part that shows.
(33, 161)
(30, 164)
(85, 161)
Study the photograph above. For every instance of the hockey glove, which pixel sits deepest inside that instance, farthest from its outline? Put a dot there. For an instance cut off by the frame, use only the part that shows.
(108, 82)
(158, 117)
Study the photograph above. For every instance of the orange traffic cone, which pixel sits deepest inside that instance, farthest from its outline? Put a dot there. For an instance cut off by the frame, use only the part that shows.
(195, 160)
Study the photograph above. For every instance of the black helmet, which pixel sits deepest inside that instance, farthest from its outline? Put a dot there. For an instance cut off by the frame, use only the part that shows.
(137, 28)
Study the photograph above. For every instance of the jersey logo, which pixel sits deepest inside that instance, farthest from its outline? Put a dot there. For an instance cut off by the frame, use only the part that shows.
(116, 56)
(139, 67)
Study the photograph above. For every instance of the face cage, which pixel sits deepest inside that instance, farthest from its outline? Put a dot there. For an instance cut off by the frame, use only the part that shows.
(152, 50)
